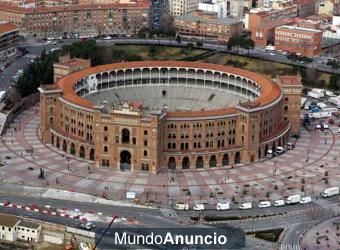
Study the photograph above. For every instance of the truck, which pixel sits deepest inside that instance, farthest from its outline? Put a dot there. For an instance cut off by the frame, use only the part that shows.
(293, 199)
(198, 207)
(182, 206)
(318, 115)
(328, 192)
(222, 206)
(315, 95)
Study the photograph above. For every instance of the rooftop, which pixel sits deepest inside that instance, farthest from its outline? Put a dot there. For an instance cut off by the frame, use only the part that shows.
(72, 62)
(29, 224)
(290, 80)
(221, 21)
(296, 28)
(6, 27)
(8, 220)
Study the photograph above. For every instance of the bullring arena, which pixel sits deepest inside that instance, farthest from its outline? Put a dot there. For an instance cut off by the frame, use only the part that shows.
(155, 115)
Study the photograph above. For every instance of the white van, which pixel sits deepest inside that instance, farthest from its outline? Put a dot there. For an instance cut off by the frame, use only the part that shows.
(182, 206)
(279, 203)
(293, 199)
(222, 206)
(328, 192)
(279, 150)
(269, 153)
(263, 204)
(247, 205)
(305, 200)
(198, 207)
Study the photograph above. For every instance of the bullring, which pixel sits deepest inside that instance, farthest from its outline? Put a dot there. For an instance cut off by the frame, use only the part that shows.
(154, 115)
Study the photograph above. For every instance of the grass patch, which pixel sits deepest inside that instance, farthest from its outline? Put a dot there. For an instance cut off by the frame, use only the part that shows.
(146, 52)
(312, 77)
(272, 235)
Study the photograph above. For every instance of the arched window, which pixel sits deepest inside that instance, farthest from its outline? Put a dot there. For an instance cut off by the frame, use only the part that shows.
(125, 136)
(105, 129)
(145, 153)
(105, 149)
(145, 143)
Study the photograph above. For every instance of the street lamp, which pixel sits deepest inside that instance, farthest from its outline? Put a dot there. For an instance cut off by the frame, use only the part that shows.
(68, 162)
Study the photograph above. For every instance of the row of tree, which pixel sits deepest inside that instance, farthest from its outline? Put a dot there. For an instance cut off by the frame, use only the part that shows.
(240, 42)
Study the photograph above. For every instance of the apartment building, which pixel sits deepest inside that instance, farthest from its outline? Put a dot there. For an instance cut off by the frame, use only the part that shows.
(79, 20)
(263, 21)
(206, 25)
(8, 42)
(307, 7)
(298, 40)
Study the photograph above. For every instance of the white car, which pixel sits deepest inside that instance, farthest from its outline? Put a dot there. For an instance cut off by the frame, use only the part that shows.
(107, 38)
(264, 204)
(279, 150)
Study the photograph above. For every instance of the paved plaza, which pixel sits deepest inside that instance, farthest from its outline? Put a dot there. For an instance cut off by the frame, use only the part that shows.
(325, 235)
(308, 169)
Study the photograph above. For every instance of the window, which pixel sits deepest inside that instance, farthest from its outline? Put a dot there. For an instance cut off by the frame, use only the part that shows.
(145, 142)
(145, 153)
(164, 93)
(105, 129)
(145, 132)
(105, 149)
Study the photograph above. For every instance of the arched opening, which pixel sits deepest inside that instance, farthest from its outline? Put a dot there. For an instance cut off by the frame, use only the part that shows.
(125, 136)
(280, 142)
(274, 146)
(212, 161)
(73, 149)
(52, 139)
(172, 163)
(199, 162)
(92, 154)
(57, 143)
(225, 160)
(237, 158)
(259, 155)
(82, 152)
(186, 163)
(266, 149)
(64, 146)
(125, 160)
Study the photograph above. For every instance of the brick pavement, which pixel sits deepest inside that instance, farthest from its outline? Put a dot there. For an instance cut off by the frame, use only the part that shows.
(245, 183)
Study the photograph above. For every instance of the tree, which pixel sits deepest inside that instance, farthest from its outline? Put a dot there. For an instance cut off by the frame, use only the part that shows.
(247, 43)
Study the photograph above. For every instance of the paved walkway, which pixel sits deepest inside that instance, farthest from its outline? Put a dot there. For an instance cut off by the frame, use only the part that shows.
(315, 157)
(325, 235)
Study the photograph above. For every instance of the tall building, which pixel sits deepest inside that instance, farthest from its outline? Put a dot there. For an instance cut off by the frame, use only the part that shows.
(291, 87)
(293, 39)
(8, 42)
(79, 20)
(262, 22)
(182, 7)
(206, 25)
(223, 8)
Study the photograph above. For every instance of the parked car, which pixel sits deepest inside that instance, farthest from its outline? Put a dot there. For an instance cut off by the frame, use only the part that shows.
(90, 225)
(198, 207)
(264, 204)
(290, 146)
(247, 205)
(279, 203)
(182, 206)
(280, 150)
(222, 206)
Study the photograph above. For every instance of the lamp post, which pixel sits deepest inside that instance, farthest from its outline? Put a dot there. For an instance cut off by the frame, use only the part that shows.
(68, 162)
